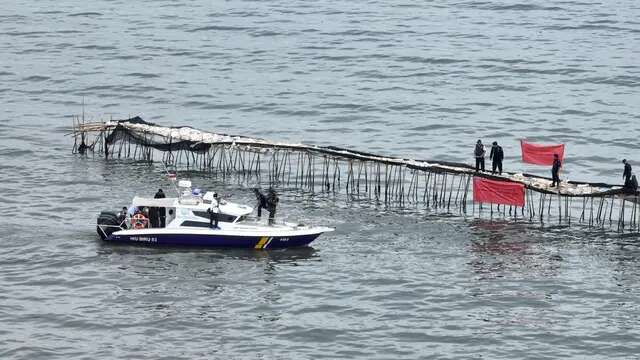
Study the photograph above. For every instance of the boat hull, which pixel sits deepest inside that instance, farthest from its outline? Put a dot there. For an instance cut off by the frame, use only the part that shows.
(213, 239)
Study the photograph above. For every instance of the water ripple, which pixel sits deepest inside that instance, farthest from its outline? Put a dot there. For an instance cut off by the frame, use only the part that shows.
(411, 79)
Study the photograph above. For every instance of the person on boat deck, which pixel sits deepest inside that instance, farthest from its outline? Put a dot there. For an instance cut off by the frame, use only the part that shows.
(159, 195)
(272, 202)
(626, 175)
(555, 170)
(162, 213)
(479, 153)
(262, 201)
(122, 216)
(153, 217)
(496, 155)
(213, 211)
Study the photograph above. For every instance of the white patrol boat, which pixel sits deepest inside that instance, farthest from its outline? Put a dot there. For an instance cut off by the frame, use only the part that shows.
(187, 219)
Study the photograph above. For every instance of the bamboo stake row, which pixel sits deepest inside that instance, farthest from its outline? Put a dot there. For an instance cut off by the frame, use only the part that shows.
(387, 183)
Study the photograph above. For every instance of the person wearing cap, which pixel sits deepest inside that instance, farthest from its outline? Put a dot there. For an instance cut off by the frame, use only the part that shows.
(479, 153)
(496, 156)
(626, 175)
(555, 170)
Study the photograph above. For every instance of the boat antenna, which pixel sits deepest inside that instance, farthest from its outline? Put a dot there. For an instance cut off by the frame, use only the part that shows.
(172, 177)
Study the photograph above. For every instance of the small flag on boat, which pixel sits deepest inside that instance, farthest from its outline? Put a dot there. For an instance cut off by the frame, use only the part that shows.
(171, 175)
(540, 154)
(498, 192)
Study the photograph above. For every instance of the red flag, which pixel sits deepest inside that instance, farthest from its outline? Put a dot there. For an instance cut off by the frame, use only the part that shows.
(498, 192)
(540, 154)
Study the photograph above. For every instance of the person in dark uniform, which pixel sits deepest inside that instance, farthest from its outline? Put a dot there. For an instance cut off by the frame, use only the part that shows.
(633, 183)
(262, 201)
(272, 202)
(555, 170)
(496, 155)
(479, 153)
(626, 175)
(153, 217)
(161, 212)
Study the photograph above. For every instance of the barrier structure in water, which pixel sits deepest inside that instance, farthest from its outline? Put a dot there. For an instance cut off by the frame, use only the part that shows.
(437, 185)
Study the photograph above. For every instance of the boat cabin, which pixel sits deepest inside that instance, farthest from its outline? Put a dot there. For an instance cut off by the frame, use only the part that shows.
(190, 211)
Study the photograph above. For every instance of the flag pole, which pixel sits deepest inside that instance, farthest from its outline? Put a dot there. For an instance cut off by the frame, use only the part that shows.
(171, 178)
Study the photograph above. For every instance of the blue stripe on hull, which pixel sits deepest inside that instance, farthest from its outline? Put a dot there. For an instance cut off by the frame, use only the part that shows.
(201, 240)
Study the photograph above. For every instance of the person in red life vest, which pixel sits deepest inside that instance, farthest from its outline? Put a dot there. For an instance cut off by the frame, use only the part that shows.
(479, 153)
(496, 156)
(555, 171)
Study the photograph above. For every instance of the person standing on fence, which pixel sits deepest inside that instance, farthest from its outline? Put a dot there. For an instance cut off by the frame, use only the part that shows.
(272, 202)
(496, 156)
(633, 184)
(479, 153)
(626, 175)
(555, 171)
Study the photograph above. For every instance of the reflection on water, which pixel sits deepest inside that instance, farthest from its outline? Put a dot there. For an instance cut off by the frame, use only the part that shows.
(269, 258)
(502, 248)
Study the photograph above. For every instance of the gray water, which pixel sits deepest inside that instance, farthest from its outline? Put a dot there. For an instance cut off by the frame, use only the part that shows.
(413, 79)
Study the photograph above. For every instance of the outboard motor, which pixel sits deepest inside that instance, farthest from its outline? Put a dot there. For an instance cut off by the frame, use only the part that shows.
(108, 223)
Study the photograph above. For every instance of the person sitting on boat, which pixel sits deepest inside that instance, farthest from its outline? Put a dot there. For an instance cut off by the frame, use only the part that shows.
(213, 211)
(159, 195)
(262, 201)
(272, 202)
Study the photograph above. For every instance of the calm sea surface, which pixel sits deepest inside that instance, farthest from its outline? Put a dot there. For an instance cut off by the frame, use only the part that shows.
(421, 79)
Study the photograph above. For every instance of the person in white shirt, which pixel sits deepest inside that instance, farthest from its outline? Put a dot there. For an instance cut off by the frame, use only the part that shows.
(213, 211)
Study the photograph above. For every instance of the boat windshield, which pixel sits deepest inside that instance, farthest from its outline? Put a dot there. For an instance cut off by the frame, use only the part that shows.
(221, 217)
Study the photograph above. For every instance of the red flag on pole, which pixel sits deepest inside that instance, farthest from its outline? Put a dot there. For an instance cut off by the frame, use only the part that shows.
(498, 192)
(540, 154)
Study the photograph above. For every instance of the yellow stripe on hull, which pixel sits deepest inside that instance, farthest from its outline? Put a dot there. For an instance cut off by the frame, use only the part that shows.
(260, 244)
